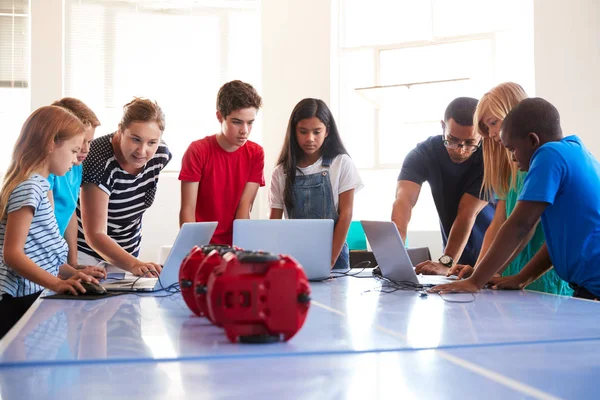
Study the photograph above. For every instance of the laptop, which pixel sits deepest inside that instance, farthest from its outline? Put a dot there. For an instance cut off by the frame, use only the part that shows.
(392, 257)
(191, 234)
(309, 241)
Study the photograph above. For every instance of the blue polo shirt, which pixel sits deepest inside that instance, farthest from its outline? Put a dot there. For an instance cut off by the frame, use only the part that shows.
(566, 175)
(65, 190)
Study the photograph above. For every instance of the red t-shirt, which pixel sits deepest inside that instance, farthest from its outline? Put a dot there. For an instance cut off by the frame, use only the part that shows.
(222, 177)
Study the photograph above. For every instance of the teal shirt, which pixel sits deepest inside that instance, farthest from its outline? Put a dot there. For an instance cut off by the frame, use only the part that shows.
(65, 190)
(549, 282)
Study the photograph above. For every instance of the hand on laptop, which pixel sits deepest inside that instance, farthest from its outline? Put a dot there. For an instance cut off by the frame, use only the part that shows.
(431, 268)
(146, 268)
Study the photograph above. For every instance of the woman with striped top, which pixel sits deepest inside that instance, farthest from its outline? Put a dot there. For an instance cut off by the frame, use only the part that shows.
(33, 254)
(120, 176)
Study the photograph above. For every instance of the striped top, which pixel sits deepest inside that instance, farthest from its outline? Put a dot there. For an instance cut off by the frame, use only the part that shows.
(129, 196)
(44, 244)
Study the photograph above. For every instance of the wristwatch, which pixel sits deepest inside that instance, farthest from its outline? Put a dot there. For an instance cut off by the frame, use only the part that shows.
(446, 260)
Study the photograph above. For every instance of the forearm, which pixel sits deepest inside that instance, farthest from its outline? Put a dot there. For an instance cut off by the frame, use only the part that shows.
(518, 250)
(276, 213)
(488, 238)
(401, 214)
(65, 271)
(339, 235)
(509, 238)
(71, 238)
(243, 211)
(186, 215)
(537, 266)
(111, 251)
(459, 236)
(29, 270)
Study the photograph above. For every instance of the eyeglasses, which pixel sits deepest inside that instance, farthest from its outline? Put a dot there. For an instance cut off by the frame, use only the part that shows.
(469, 147)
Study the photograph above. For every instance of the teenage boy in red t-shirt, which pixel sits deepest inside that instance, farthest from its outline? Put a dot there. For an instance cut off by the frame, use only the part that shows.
(220, 174)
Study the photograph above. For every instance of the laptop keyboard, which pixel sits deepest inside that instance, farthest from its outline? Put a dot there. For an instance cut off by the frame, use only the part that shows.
(142, 283)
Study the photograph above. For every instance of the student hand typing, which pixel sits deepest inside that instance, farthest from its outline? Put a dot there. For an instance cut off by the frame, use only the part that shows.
(431, 268)
(146, 268)
(461, 271)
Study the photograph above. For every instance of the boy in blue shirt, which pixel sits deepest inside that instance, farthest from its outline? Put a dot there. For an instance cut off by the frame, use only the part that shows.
(562, 188)
(64, 190)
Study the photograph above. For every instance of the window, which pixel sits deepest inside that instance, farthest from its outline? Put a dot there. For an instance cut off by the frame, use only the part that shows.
(401, 63)
(14, 72)
(178, 54)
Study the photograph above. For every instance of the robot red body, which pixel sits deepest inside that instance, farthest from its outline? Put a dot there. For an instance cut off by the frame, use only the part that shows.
(258, 297)
(188, 274)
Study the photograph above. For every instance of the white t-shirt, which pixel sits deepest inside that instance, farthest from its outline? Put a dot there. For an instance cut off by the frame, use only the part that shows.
(342, 172)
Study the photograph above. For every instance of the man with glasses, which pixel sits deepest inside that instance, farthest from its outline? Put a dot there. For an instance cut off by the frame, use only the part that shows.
(452, 164)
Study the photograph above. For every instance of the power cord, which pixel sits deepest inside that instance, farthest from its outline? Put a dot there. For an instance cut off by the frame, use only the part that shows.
(171, 289)
(338, 274)
(458, 301)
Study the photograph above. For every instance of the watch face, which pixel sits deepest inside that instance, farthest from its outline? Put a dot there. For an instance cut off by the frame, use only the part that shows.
(445, 259)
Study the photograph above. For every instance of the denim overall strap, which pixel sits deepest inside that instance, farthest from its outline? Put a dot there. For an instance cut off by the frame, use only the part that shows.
(313, 199)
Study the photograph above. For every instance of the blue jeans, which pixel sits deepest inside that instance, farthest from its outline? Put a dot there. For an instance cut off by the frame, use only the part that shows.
(313, 199)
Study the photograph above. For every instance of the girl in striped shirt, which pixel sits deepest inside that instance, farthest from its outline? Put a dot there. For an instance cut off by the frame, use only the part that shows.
(33, 254)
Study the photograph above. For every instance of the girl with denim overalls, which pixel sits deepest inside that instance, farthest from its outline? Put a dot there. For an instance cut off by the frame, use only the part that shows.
(315, 177)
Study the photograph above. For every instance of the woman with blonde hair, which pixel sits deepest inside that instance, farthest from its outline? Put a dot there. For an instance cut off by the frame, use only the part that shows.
(120, 178)
(502, 180)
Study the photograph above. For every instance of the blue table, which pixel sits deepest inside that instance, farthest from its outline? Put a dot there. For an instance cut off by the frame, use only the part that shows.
(357, 341)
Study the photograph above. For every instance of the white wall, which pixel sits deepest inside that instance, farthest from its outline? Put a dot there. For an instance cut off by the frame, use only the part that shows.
(567, 63)
(296, 51)
(46, 52)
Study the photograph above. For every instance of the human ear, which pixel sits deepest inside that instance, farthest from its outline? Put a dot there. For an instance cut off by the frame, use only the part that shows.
(534, 139)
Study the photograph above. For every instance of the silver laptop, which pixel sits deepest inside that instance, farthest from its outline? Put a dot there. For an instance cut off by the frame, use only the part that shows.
(191, 234)
(392, 257)
(309, 241)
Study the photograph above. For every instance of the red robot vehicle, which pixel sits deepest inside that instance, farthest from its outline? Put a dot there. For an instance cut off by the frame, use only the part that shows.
(258, 297)
(188, 271)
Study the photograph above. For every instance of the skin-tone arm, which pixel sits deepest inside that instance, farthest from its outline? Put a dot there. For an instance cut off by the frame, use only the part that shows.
(17, 229)
(407, 194)
(345, 206)
(189, 195)
(66, 271)
(493, 228)
(51, 198)
(511, 235)
(535, 268)
(276, 213)
(464, 271)
(71, 238)
(468, 209)
(94, 213)
(247, 200)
